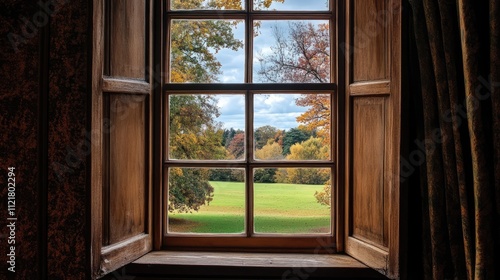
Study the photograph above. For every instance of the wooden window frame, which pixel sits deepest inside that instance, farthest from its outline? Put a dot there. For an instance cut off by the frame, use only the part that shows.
(347, 91)
(250, 241)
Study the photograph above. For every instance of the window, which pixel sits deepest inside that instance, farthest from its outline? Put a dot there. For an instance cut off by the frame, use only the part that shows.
(223, 108)
(249, 127)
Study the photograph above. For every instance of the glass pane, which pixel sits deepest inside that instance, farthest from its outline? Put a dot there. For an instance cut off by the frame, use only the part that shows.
(206, 127)
(292, 200)
(290, 5)
(207, 4)
(291, 51)
(204, 200)
(292, 126)
(207, 51)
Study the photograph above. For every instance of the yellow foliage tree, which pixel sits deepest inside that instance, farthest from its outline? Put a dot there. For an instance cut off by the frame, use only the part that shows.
(271, 151)
(311, 149)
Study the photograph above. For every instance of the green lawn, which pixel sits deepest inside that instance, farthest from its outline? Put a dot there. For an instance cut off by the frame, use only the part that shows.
(279, 208)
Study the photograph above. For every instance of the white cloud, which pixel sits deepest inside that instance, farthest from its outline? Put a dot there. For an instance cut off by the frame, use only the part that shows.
(232, 110)
(278, 110)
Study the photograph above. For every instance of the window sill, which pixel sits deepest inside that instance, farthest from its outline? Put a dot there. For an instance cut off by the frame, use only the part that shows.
(249, 265)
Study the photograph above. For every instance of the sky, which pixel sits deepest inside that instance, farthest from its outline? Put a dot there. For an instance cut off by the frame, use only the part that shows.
(278, 110)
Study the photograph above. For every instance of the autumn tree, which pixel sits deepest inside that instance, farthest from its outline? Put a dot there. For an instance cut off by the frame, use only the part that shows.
(323, 197)
(279, 137)
(237, 146)
(263, 134)
(228, 135)
(194, 43)
(302, 55)
(194, 134)
(271, 151)
(311, 149)
(193, 47)
(317, 117)
(220, 4)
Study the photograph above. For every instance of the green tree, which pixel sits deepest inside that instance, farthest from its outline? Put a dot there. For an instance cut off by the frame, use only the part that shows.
(293, 136)
(189, 189)
(227, 175)
(264, 175)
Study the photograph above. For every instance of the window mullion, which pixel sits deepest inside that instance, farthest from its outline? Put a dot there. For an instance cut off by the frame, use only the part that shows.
(249, 158)
(248, 44)
(249, 199)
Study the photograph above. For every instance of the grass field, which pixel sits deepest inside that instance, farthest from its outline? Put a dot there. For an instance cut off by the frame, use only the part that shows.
(279, 208)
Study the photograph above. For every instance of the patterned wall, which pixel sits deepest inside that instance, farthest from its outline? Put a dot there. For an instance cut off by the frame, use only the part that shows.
(66, 74)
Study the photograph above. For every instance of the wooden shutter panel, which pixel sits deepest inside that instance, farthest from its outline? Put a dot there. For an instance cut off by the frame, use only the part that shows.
(373, 55)
(121, 212)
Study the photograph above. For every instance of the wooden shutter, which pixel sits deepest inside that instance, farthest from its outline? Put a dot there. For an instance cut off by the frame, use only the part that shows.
(373, 89)
(121, 173)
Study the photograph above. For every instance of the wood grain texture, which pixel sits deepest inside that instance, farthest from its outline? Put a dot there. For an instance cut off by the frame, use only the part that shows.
(125, 86)
(368, 169)
(127, 42)
(260, 243)
(122, 253)
(247, 259)
(372, 161)
(395, 195)
(251, 265)
(96, 165)
(127, 170)
(374, 256)
(370, 88)
(121, 173)
(369, 40)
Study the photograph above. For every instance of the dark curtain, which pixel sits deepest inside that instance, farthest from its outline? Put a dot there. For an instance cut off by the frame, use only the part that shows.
(457, 106)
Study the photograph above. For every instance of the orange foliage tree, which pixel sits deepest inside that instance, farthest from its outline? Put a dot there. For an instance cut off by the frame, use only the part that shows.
(303, 55)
